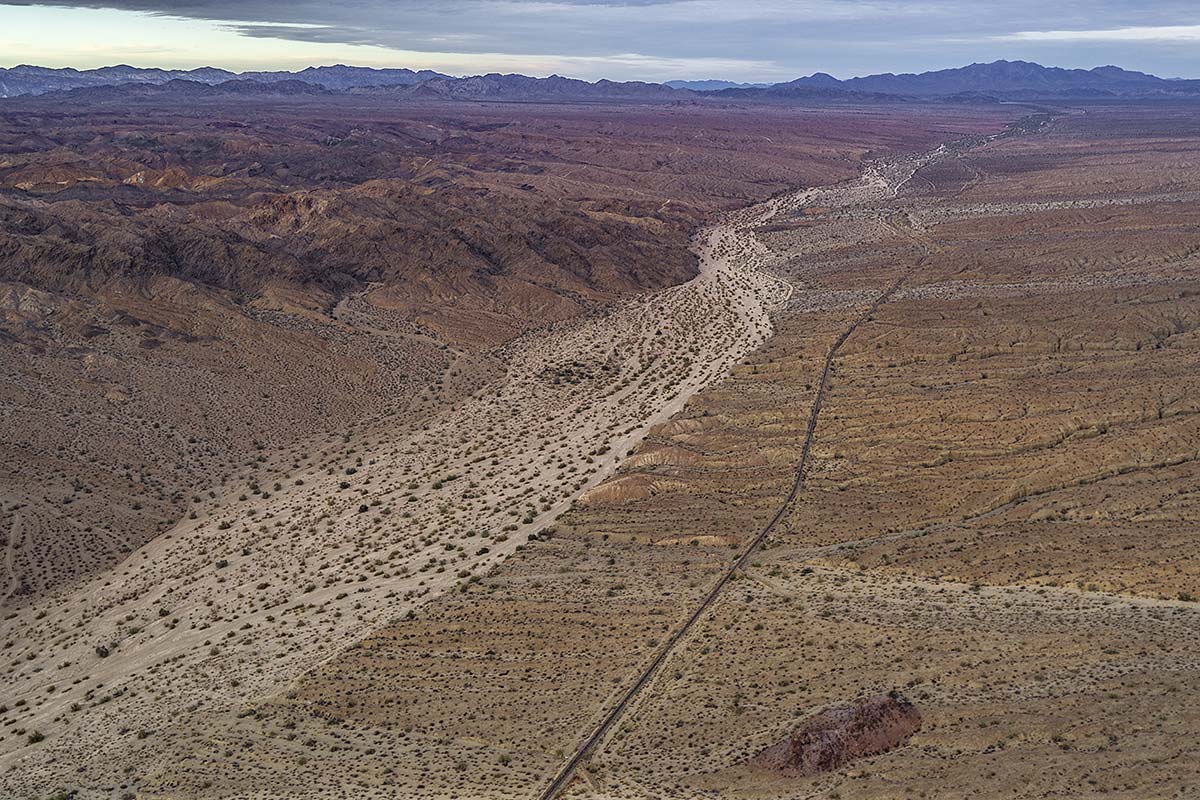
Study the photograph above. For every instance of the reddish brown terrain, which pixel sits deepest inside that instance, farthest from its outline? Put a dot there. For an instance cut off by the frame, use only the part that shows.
(340, 354)
(299, 267)
(993, 519)
(373, 448)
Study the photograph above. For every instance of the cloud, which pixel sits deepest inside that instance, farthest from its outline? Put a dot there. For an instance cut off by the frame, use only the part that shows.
(737, 39)
(1144, 33)
(746, 39)
(587, 27)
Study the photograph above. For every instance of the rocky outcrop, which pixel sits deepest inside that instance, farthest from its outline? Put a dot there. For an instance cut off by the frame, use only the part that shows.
(838, 736)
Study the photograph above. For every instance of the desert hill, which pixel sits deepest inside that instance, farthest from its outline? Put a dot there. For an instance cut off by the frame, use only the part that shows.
(309, 262)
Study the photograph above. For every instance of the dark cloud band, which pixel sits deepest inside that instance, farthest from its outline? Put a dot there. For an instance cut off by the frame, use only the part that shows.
(841, 36)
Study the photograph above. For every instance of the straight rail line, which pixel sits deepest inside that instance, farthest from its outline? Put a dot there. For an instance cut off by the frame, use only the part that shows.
(584, 751)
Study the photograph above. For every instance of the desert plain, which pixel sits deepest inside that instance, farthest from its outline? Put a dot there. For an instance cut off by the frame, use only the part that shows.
(363, 490)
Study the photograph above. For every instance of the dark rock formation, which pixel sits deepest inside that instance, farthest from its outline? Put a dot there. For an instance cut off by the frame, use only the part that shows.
(837, 736)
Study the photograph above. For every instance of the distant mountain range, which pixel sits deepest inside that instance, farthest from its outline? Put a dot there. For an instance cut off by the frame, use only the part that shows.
(713, 85)
(26, 79)
(1002, 78)
(524, 88)
(177, 88)
(995, 82)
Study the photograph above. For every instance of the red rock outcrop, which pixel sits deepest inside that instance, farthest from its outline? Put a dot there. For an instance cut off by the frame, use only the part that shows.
(837, 736)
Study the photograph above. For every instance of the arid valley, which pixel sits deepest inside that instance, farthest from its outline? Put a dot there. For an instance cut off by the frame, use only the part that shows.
(408, 444)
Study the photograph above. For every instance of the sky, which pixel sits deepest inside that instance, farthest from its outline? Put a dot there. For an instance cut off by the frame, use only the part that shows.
(655, 40)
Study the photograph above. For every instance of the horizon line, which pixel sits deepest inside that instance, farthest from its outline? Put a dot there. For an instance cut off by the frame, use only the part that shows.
(584, 80)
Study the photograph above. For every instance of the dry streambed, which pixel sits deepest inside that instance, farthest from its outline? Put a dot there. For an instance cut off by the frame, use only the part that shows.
(273, 573)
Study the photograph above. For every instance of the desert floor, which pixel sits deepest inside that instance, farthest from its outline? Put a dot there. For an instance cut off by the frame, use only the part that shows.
(997, 340)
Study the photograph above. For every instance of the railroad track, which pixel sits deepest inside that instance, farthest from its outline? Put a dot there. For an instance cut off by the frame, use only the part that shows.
(567, 772)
